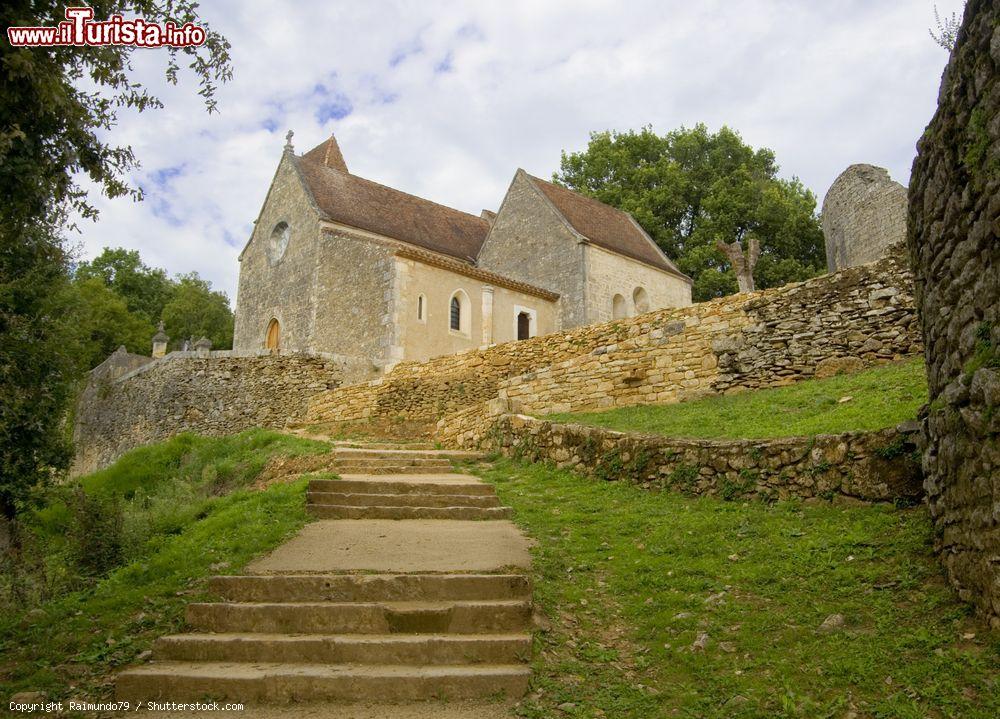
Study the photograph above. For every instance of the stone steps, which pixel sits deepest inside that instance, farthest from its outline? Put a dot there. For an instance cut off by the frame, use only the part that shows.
(279, 682)
(334, 511)
(463, 617)
(370, 587)
(402, 500)
(415, 649)
(347, 483)
(307, 625)
(343, 468)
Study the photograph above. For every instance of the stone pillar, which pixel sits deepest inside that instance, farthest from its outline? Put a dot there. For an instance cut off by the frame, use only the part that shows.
(203, 347)
(160, 341)
(954, 242)
(487, 315)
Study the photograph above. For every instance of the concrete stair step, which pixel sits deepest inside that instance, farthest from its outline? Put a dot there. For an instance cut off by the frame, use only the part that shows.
(465, 617)
(403, 500)
(355, 468)
(289, 682)
(441, 462)
(370, 587)
(403, 453)
(339, 511)
(420, 649)
(390, 486)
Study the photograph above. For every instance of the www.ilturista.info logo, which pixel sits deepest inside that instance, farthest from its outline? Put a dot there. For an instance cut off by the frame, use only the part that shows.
(79, 28)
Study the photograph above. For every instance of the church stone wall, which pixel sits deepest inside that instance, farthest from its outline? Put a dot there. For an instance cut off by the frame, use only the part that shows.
(283, 290)
(215, 395)
(864, 213)
(609, 274)
(353, 298)
(954, 238)
(529, 241)
(431, 337)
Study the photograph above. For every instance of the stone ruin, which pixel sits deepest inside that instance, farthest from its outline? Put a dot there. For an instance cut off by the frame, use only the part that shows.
(864, 213)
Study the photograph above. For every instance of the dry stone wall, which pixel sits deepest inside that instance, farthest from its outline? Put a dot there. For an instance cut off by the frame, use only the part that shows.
(954, 237)
(840, 322)
(869, 466)
(844, 321)
(216, 394)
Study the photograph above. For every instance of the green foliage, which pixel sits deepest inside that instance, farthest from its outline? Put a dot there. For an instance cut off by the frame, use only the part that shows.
(58, 106)
(37, 374)
(625, 576)
(691, 187)
(879, 397)
(121, 513)
(195, 311)
(144, 290)
(103, 322)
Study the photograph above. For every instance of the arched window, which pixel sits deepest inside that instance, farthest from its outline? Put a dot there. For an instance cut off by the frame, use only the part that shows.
(422, 308)
(272, 339)
(618, 308)
(460, 313)
(641, 300)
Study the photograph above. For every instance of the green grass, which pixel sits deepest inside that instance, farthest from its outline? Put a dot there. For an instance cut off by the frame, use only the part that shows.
(628, 579)
(185, 513)
(879, 397)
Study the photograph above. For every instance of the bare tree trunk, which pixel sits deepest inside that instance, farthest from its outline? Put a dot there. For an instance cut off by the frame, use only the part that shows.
(742, 265)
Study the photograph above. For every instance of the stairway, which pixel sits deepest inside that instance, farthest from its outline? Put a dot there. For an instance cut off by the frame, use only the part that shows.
(336, 614)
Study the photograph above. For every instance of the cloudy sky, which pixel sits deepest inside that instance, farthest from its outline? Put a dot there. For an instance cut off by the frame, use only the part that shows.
(446, 99)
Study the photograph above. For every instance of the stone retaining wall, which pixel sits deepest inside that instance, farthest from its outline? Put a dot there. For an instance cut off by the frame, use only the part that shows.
(870, 466)
(844, 321)
(954, 237)
(215, 395)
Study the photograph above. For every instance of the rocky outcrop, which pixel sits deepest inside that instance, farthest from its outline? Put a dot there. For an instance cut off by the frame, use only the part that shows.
(954, 239)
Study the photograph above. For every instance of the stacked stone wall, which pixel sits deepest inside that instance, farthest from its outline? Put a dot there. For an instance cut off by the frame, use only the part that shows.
(213, 395)
(954, 237)
(868, 466)
(845, 321)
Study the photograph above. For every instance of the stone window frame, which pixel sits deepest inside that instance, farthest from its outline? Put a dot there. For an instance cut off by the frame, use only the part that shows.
(464, 314)
(619, 311)
(422, 308)
(640, 300)
(276, 248)
(532, 320)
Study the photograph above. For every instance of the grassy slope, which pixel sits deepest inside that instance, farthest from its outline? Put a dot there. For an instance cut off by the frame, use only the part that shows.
(189, 494)
(626, 577)
(881, 397)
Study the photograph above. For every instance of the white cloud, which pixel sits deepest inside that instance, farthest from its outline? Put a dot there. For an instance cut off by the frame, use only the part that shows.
(447, 99)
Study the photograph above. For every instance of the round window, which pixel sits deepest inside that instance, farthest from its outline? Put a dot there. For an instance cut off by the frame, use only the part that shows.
(278, 243)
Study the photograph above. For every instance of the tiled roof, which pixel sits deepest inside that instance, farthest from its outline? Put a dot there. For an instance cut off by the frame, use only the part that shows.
(469, 270)
(605, 226)
(327, 153)
(367, 205)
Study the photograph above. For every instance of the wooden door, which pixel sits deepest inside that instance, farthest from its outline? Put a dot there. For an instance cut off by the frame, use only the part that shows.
(273, 335)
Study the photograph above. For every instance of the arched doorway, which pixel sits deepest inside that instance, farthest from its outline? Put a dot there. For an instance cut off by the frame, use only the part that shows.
(273, 337)
(523, 325)
(641, 300)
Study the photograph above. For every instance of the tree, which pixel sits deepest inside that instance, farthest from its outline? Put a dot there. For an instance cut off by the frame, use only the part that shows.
(57, 105)
(694, 191)
(145, 291)
(103, 323)
(196, 311)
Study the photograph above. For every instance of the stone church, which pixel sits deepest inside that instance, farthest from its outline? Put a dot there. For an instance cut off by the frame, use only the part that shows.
(343, 265)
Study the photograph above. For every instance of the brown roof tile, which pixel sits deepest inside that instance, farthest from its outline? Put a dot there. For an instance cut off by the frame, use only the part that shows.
(367, 205)
(605, 226)
(327, 153)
